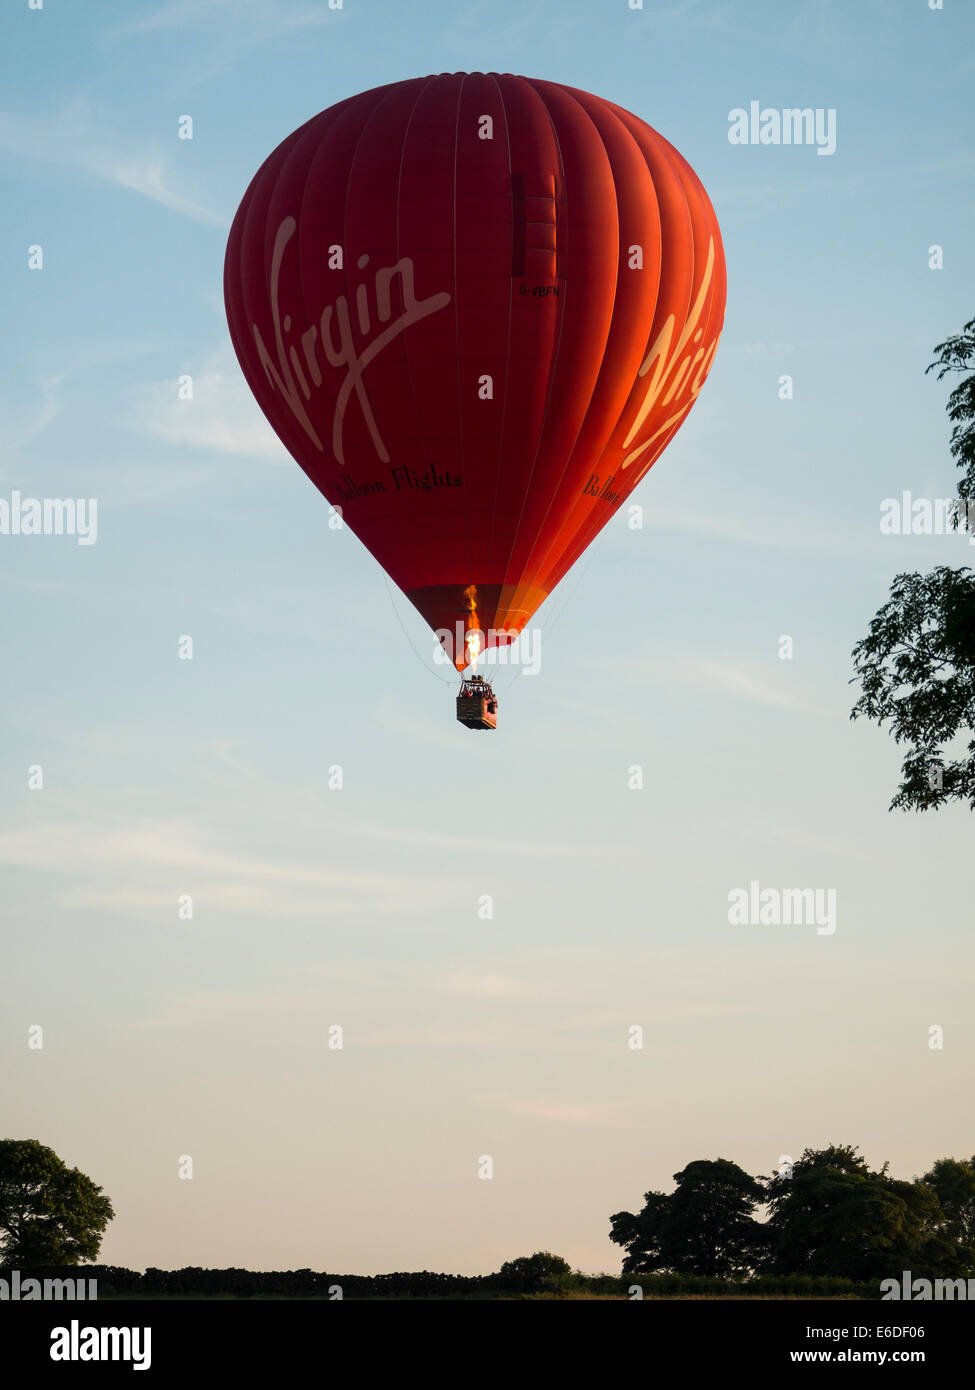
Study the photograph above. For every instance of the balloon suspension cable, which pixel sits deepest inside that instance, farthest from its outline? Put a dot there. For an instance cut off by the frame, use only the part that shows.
(410, 639)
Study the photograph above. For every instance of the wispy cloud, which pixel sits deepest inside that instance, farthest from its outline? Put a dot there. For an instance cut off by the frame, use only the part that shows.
(477, 844)
(705, 673)
(206, 39)
(147, 176)
(557, 1110)
(736, 681)
(195, 1010)
(71, 139)
(815, 842)
(24, 417)
(762, 351)
(750, 200)
(488, 987)
(259, 16)
(147, 863)
(222, 416)
(771, 532)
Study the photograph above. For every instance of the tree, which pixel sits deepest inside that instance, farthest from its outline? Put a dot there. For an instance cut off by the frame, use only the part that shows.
(705, 1226)
(49, 1214)
(835, 1215)
(916, 666)
(957, 354)
(953, 1182)
(539, 1273)
(641, 1235)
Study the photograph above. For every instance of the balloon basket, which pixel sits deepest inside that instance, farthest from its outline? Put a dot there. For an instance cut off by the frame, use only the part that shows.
(477, 704)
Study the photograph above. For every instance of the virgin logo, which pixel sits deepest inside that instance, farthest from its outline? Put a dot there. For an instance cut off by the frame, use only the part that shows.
(296, 377)
(682, 386)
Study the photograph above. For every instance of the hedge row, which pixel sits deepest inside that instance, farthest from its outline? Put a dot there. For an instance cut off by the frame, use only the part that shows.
(307, 1283)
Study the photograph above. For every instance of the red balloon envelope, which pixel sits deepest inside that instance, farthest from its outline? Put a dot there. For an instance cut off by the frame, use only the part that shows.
(475, 308)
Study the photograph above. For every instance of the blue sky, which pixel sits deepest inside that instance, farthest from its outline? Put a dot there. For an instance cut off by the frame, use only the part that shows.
(359, 907)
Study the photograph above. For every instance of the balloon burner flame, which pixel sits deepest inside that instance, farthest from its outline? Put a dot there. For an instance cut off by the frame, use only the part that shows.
(473, 638)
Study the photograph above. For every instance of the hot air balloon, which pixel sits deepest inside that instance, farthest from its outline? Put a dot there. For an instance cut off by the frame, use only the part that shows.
(475, 308)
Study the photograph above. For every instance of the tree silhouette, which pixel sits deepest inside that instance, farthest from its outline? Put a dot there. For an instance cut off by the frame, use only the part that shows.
(49, 1214)
(538, 1273)
(916, 666)
(835, 1215)
(953, 1182)
(957, 354)
(706, 1226)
